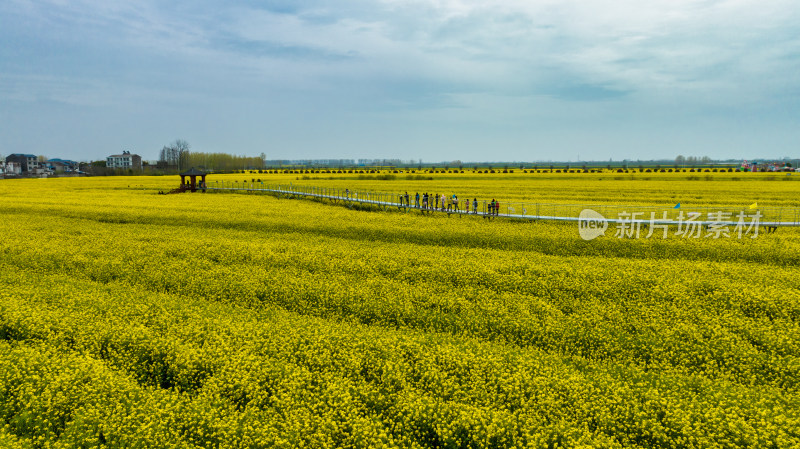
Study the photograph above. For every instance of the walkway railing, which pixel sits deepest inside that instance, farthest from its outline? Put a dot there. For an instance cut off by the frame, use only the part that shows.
(768, 216)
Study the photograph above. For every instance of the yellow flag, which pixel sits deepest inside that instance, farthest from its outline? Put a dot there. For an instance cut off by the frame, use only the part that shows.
(754, 205)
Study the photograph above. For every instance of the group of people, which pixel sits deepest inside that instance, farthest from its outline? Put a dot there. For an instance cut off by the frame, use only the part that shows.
(494, 207)
(444, 203)
(199, 185)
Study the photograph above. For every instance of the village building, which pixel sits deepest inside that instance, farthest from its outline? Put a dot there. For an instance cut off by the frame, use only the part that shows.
(28, 162)
(12, 169)
(125, 160)
(61, 165)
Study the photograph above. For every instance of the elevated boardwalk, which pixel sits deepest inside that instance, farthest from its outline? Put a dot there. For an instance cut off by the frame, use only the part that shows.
(633, 215)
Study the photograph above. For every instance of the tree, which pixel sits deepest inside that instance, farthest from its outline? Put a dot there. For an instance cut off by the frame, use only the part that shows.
(166, 157)
(175, 155)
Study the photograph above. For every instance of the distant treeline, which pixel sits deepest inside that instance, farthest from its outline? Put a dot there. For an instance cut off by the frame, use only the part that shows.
(178, 156)
(222, 162)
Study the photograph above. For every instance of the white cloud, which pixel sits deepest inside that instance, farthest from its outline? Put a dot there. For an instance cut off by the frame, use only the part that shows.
(680, 46)
(452, 61)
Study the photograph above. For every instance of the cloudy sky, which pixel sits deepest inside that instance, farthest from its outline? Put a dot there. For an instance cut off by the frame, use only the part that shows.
(419, 79)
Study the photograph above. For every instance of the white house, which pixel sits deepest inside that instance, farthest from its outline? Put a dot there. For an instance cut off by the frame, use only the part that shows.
(12, 168)
(124, 160)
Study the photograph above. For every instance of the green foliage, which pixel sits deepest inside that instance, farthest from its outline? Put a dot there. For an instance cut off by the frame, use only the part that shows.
(223, 162)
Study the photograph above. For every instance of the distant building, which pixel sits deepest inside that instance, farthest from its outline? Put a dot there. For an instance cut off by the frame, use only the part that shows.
(124, 160)
(27, 162)
(766, 166)
(61, 165)
(12, 169)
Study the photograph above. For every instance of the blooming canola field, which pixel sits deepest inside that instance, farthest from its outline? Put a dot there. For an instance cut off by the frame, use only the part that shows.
(133, 319)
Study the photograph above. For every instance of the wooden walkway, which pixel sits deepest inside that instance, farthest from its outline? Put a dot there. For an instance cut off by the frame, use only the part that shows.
(770, 218)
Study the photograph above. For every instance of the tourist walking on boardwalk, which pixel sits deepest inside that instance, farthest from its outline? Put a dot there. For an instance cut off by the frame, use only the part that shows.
(425, 200)
(443, 202)
(497, 207)
(416, 200)
(491, 207)
(474, 205)
(437, 200)
(407, 203)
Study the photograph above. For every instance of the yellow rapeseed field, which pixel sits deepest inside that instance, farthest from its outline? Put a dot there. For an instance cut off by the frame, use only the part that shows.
(134, 319)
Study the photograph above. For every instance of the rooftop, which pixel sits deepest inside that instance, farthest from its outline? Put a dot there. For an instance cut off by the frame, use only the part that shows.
(193, 172)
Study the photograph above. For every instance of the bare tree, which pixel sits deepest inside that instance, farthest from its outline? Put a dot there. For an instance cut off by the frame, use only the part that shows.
(175, 154)
(164, 158)
(182, 148)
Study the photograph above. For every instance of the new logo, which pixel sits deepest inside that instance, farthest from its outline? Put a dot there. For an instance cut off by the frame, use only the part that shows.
(591, 224)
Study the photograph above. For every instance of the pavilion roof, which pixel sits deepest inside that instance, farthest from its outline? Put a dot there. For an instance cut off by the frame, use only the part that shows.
(193, 172)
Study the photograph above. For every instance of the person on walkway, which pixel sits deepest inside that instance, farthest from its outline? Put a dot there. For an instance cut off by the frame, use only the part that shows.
(491, 207)
(437, 200)
(425, 200)
(475, 206)
(416, 200)
(497, 207)
(407, 201)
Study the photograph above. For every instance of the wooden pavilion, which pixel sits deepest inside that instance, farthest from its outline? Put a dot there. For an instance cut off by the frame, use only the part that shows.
(192, 185)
